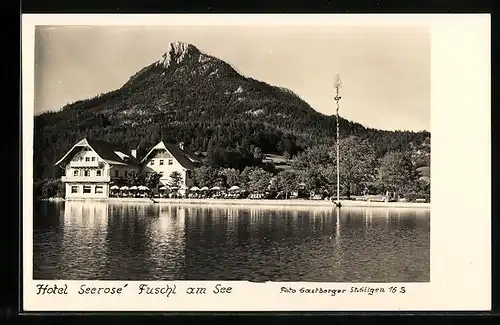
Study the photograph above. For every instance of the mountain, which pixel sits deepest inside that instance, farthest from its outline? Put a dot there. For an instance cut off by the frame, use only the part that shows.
(198, 99)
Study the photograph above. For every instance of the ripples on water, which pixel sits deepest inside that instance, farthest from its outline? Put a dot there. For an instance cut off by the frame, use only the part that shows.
(90, 241)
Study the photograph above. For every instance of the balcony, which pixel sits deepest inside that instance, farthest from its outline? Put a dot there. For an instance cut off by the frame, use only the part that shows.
(86, 179)
(82, 163)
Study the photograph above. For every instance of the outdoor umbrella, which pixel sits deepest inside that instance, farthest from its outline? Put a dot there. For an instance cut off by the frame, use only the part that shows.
(215, 188)
(143, 188)
(124, 188)
(133, 188)
(114, 187)
(194, 188)
(204, 188)
(234, 188)
(163, 188)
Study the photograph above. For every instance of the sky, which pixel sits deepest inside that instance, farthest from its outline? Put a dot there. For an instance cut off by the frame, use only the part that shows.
(385, 70)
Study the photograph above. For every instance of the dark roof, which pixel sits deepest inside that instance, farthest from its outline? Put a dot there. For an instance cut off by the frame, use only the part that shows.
(106, 150)
(191, 155)
(181, 156)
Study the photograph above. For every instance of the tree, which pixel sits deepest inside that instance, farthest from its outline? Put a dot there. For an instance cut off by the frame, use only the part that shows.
(320, 155)
(280, 146)
(51, 188)
(257, 153)
(134, 179)
(244, 176)
(205, 176)
(231, 176)
(287, 181)
(357, 164)
(289, 145)
(315, 179)
(175, 179)
(329, 175)
(152, 180)
(396, 172)
(258, 179)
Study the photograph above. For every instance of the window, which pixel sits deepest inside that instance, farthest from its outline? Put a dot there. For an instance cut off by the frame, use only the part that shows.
(75, 172)
(93, 158)
(161, 162)
(86, 173)
(98, 172)
(117, 173)
(170, 162)
(152, 162)
(87, 158)
(74, 189)
(87, 188)
(125, 173)
(99, 189)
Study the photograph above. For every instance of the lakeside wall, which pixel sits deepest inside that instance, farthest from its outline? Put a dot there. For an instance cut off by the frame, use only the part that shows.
(249, 202)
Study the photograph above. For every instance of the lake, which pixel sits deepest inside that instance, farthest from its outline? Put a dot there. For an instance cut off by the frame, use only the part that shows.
(131, 241)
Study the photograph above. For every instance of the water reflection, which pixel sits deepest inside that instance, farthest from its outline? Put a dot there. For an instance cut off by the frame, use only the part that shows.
(77, 240)
(166, 242)
(85, 229)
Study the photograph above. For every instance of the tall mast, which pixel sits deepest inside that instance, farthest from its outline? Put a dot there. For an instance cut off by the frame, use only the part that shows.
(338, 84)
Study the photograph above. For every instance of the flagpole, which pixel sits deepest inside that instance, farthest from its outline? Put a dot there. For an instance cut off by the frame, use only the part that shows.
(337, 99)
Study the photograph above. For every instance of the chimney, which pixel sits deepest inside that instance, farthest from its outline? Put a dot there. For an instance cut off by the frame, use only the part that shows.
(181, 145)
(133, 153)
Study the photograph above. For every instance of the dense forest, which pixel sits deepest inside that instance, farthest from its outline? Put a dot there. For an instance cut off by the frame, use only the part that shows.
(202, 101)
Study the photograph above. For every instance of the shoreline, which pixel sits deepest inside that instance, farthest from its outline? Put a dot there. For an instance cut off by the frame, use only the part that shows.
(258, 202)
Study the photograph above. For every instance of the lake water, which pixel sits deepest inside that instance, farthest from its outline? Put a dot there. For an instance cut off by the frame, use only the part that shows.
(108, 241)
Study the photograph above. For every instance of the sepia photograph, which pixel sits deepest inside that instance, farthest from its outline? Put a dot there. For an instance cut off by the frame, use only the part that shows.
(255, 163)
(294, 154)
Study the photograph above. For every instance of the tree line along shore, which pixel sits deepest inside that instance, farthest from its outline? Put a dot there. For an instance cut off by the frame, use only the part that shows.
(311, 173)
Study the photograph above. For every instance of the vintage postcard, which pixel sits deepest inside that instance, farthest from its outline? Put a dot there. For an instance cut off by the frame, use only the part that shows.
(256, 163)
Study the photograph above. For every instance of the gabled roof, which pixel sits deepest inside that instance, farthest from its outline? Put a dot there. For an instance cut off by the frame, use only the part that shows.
(112, 153)
(184, 157)
(192, 156)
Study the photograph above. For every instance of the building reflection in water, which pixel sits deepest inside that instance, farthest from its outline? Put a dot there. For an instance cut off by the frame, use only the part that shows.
(84, 246)
(166, 241)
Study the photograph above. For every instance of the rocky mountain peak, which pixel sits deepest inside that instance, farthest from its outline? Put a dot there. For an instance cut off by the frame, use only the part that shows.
(177, 52)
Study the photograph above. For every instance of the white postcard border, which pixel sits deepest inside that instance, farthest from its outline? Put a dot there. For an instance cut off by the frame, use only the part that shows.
(460, 188)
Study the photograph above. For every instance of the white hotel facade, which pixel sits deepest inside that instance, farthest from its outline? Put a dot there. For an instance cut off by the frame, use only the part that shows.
(90, 166)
